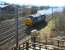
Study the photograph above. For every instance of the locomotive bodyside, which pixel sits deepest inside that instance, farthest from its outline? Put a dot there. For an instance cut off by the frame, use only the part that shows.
(33, 20)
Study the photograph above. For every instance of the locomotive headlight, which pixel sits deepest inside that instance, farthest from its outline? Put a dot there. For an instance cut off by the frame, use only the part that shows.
(28, 21)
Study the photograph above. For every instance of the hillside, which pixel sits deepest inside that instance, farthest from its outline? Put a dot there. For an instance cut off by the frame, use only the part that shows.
(54, 28)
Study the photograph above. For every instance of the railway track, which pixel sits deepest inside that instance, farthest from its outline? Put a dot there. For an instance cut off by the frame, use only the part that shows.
(5, 26)
(13, 37)
(8, 31)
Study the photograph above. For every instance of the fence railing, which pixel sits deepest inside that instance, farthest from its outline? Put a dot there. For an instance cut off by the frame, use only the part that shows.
(32, 44)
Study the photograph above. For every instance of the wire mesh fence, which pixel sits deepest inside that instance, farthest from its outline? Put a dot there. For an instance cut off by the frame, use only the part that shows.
(8, 26)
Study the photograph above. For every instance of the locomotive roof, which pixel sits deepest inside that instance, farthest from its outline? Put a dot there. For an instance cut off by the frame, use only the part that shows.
(36, 15)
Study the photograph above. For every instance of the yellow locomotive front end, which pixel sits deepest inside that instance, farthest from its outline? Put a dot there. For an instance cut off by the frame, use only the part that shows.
(28, 21)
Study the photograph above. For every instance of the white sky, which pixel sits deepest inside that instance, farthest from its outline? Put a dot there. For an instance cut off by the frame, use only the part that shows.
(38, 2)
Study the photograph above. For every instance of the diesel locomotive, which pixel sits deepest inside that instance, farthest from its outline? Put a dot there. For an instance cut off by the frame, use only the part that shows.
(35, 22)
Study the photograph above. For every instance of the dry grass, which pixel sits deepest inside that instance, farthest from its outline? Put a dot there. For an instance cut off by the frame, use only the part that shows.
(53, 24)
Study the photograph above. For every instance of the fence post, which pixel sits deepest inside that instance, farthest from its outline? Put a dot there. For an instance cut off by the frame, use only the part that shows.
(33, 42)
(58, 44)
(39, 47)
(27, 45)
(23, 46)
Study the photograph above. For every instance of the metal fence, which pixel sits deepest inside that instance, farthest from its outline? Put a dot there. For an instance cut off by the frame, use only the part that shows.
(10, 27)
(32, 44)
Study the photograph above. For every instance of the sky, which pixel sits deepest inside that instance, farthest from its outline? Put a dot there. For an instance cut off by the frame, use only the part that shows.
(37, 2)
